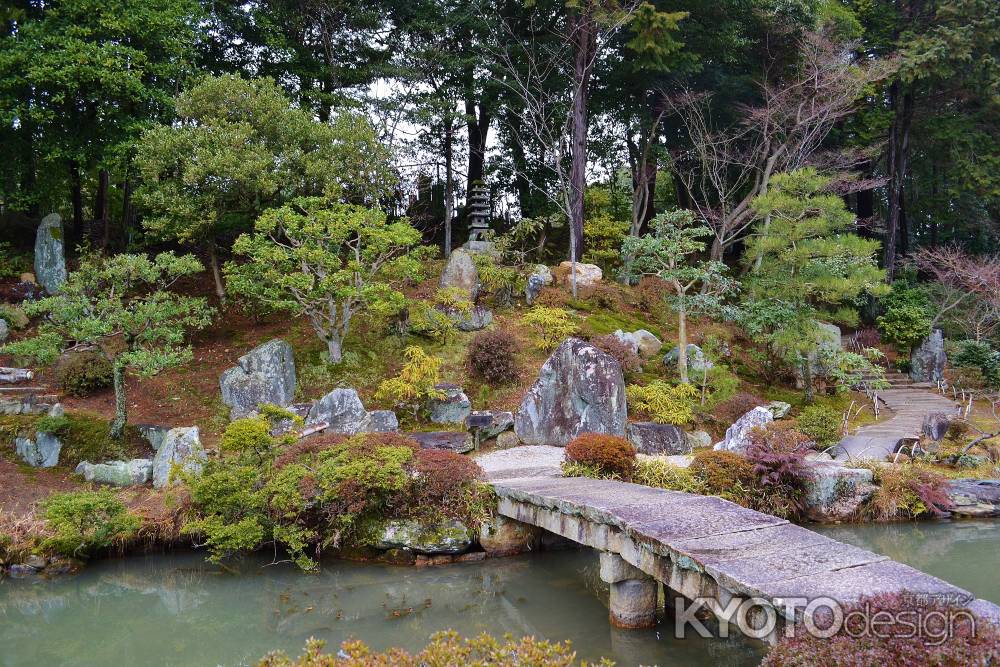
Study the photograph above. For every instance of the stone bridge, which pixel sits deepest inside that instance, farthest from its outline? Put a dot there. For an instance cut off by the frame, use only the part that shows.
(706, 547)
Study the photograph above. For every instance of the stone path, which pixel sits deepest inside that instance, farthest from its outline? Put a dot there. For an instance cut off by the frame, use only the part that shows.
(909, 405)
(704, 545)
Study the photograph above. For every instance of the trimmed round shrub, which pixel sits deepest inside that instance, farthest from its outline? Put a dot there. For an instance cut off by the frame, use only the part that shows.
(724, 472)
(947, 636)
(737, 405)
(443, 479)
(822, 424)
(492, 357)
(607, 454)
(619, 351)
(82, 373)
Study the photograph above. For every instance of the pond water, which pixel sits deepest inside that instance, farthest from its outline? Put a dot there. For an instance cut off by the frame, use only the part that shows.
(178, 610)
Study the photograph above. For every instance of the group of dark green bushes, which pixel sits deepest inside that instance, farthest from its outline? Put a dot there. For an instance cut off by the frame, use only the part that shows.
(323, 492)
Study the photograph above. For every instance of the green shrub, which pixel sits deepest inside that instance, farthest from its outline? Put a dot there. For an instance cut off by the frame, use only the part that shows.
(52, 425)
(13, 263)
(663, 403)
(82, 373)
(424, 319)
(822, 424)
(502, 282)
(660, 474)
(549, 326)
(445, 648)
(609, 455)
(13, 315)
(492, 357)
(327, 491)
(904, 326)
(976, 354)
(87, 521)
(415, 383)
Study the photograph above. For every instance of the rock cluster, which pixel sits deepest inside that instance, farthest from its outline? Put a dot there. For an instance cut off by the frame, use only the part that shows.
(642, 342)
(446, 537)
(580, 389)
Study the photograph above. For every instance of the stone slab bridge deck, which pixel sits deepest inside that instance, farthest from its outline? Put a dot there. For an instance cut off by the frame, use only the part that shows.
(704, 546)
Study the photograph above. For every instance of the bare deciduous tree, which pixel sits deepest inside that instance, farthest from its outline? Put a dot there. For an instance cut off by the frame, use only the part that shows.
(961, 277)
(725, 169)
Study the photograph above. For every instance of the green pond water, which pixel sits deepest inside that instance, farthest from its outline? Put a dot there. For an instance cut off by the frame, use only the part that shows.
(178, 610)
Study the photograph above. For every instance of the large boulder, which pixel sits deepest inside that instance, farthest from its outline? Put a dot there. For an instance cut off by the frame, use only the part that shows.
(658, 439)
(587, 275)
(447, 537)
(453, 406)
(697, 362)
(182, 447)
(382, 421)
(117, 473)
(153, 434)
(485, 424)
(265, 374)
(50, 253)
(477, 318)
(343, 410)
(42, 452)
(836, 492)
(975, 497)
(928, 360)
(580, 389)
(642, 342)
(460, 272)
(738, 435)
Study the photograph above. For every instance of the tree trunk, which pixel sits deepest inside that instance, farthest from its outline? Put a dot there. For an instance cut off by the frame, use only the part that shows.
(478, 128)
(121, 406)
(807, 380)
(101, 206)
(449, 187)
(76, 196)
(127, 212)
(582, 27)
(899, 146)
(682, 340)
(213, 260)
(717, 251)
(335, 349)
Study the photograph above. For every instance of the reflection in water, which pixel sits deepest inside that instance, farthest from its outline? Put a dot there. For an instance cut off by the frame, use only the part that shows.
(178, 610)
(963, 553)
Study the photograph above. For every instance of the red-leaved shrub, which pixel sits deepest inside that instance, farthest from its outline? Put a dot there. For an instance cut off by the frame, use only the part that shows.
(619, 351)
(609, 454)
(442, 478)
(910, 632)
(778, 453)
(313, 444)
(737, 405)
(492, 357)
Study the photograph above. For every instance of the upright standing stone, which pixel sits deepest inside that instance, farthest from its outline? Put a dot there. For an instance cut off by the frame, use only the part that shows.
(265, 374)
(50, 253)
(580, 389)
(927, 361)
(42, 452)
(453, 406)
(181, 447)
(738, 435)
(461, 272)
